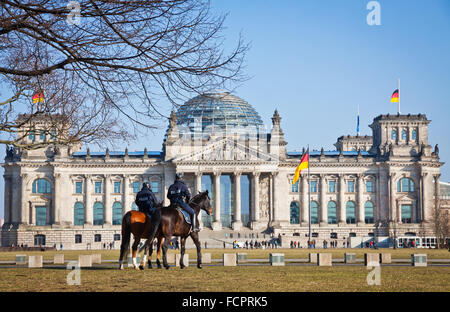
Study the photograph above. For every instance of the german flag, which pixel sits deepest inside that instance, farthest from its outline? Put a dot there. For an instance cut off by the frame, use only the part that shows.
(303, 165)
(38, 97)
(394, 97)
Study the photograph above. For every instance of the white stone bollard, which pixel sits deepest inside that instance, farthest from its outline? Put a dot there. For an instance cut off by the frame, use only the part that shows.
(85, 261)
(229, 259)
(21, 259)
(385, 258)
(419, 260)
(277, 259)
(35, 261)
(324, 259)
(312, 257)
(241, 258)
(349, 257)
(371, 259)
(58, 259)
(97, 259)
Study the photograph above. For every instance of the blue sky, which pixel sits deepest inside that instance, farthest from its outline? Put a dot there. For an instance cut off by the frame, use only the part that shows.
(316, 60)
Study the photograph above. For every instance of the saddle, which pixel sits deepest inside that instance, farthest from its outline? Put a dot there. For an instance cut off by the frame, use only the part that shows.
(186, 215)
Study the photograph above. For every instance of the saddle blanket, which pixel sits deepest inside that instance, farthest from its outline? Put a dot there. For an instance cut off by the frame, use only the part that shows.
(186, 215)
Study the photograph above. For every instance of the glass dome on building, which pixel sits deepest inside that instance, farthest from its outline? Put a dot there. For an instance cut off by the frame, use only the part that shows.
(217, 111)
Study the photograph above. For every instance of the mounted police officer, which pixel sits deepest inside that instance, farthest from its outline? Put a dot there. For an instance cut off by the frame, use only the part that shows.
(179, 191)
(146, 200)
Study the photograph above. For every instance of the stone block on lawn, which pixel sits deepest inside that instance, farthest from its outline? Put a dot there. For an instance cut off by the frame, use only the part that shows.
(385, 258)
(371, 259)
(229, 259)
(277, 259)
(21, 259)
(349, 258)
(58, 259)
(312, 257)
(170, 258)
(206, 257)
(419, 260)
(185, 260)
(241, 257)
(85, 261)
(35, 261)
(324, 259)
(97, 259)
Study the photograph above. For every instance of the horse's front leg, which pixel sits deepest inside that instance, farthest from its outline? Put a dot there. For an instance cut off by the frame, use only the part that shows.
(183, 248)
(134, 252)
(194, 236)
(165, 246)
(158, 253)
(144, 256)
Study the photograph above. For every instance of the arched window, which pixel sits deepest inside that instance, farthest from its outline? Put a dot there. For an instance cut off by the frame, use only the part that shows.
(98, 213)
(394, 135)
(368, 212)
(350, 212)
(295, 213)
(78, 217)
(405, 185)
(41, 186)
(314, 212)
(403, 134)
(332, 212)
(134, 207)
(117, 213)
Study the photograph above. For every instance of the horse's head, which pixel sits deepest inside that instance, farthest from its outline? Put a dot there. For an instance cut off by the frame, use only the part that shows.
(202, 201)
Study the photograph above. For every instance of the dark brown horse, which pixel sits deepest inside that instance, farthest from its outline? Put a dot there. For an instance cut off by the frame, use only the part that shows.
(173, 224)
(138, 224)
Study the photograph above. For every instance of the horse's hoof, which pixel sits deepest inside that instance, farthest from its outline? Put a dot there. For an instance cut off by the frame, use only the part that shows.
(141, 267)
(182, 267)
(121, 268)
(167, 267)
(199, 266)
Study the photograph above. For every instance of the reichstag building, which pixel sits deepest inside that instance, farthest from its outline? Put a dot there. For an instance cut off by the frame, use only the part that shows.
(383, 185)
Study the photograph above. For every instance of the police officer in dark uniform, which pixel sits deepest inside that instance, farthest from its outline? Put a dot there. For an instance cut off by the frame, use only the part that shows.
(146, 200)
(177, 191)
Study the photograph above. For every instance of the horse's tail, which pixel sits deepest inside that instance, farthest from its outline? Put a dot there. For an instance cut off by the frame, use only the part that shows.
(126, 235)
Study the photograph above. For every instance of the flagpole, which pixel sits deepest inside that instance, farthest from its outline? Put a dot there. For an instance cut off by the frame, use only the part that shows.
(309, 203)
(357, 126)
(399, 95)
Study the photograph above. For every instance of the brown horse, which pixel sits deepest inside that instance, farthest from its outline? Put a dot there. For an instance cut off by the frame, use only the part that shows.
(142, 227)
(173, 224)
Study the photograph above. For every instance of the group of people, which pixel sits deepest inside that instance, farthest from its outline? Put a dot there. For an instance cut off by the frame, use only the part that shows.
(265, 244)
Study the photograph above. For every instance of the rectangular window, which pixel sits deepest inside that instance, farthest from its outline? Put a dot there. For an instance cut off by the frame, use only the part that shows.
(78, 238)
(97, 238)
(406, 213)
(332, 186)
(117, 237)
(369, 186)
(41, 215)
(31, 136)
(79, 187)
(135, 187)
(351, 186)
(42, 135)
(294, 187)
(98, 187)
(313, 186)
(117, 187)
(155, 187)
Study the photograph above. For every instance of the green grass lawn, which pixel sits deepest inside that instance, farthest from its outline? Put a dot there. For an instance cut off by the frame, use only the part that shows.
(224, 279)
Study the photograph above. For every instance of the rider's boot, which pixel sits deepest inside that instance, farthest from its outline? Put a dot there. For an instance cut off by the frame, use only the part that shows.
(195, 224)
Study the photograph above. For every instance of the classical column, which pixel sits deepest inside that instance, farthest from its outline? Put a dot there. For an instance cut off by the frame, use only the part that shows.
(89, 209)
(255, 189)
(108, 206)
(57, 200)
(323, 204)
(342, 214)
(392, 203)
(126, 196)
(7, 198)
(24, 211)
(217, 224)
(198, 182)
(16, 203)
(237, 223)
(361, 199)
(304, 198)
(276, 214)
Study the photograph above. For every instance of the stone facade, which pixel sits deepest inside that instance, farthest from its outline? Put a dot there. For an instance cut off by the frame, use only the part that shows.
(395, 181)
